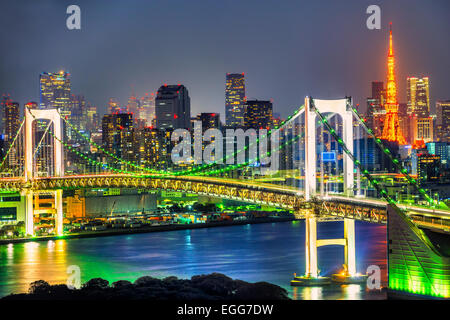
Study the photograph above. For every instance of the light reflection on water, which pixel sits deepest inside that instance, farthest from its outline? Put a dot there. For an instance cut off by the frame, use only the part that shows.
(262, 252)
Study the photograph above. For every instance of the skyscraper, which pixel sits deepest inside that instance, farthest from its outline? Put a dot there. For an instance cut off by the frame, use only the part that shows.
(443, 120)
(441, 149)
(422, 129)
(113, 106)
(78, 113)
(428, 167)
(258, 114)
(55, 91)
(12, 120)
(418, 95)
(12, 123)
(6, 98)
(154, 147)
(118, 135)
(133, 105)
(375, 108)
(209, 120)
(147, 108)
(391, 127)
(92, 118)
(173, 107)
(378, 92)
(235, 99)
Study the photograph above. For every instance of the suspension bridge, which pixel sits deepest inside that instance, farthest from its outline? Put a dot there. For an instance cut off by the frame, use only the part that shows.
(418, 261)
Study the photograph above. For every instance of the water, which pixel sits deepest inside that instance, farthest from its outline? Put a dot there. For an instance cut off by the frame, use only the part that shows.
(262, 252)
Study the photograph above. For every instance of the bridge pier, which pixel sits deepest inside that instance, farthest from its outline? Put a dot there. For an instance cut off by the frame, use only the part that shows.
(312, 273)
(29, 213)
(350, 248)
(312, 270)
(59, 212)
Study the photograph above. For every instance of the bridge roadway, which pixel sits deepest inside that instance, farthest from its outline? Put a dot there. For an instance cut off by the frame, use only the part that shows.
(286, 197)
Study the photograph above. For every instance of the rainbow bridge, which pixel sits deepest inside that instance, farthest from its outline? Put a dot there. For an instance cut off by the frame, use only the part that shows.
(418, 255)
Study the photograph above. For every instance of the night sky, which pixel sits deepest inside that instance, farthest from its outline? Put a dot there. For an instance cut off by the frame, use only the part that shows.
(287, 48)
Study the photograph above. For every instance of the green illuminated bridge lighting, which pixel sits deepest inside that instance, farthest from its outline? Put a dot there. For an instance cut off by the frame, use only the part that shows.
(418, 235)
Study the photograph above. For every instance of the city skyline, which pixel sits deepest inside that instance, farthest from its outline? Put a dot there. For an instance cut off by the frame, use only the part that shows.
(207, 56)
(225, 142)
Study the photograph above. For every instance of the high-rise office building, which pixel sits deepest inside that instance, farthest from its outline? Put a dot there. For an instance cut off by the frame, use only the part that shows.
(6, 98)
(12, 120)
(428, 167)
(423, 129)
(276, 120)
(378, 91)
(92, 118)
(78, 114)
(418, 95)
(173, 107)
(443, 120)
(154, 147)
(375, 116)
(372, 157)
(55, 91)
(258, 114)
(375, 108)
(118, 135)
(12, 124)
(133, 106)
(114, 106)
(147, 108)
(209, 120)
(441, 149)
(235, 99)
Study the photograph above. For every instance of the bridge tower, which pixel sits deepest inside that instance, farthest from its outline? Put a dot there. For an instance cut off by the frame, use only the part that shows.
(312, 274)
(343, 108)
(312, 243)
(30, 116)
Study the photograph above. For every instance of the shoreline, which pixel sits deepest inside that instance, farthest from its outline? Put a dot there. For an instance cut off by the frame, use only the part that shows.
(149, 229)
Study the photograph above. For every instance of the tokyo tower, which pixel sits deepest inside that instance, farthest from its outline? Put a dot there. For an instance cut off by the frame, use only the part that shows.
(391, 129)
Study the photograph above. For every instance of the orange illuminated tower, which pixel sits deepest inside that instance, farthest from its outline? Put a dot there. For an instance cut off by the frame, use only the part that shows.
(391, 129)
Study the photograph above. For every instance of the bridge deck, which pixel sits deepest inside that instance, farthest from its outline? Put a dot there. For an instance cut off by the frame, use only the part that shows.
(288, 197)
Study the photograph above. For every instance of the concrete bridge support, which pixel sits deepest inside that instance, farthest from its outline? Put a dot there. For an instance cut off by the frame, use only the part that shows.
(29, 213)
(312, 243)
(350, 247)
(312, 272)
(59, 212)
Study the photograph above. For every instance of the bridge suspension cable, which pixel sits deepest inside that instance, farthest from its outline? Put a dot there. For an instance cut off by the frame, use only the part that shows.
(42, 139)
(204, 167)
(365, 172)
(237, 166)
(92, 143)
(94, 162)
(395, 161)
(184, 172)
